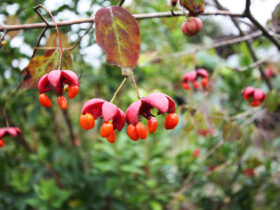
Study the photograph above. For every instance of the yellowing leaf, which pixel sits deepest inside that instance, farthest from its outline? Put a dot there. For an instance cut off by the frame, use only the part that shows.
(42, 64)
(118, 34)
(53, 40)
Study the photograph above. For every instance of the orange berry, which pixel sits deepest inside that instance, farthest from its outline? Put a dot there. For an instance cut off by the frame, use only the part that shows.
(196, 85)
(2, 143)
(45, 100)
(87, 121)
(186, 86)
(131, 132)
(171, 121)
(255, 103)
(106, 129)
(112, 137)
(73, 91)
(152, 124)
(62, 102)
(204, 82)
(141, 130)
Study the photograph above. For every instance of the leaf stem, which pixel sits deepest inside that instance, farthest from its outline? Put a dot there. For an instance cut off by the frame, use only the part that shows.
(119, 88)
(57, 31)
(135, 85)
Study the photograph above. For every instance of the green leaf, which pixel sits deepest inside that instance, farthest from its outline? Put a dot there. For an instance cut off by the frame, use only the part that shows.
(272, 101)
(118, 34)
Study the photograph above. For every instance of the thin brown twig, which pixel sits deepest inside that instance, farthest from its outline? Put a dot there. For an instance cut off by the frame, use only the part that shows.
(214, 45)
(90, 20)
(54, 175)
(119, 88)
(26, 145)
(69, 125)
(56, 127)
(248, 43)
(121, 3)
(38, 42)
(57, 31)
(135, 85)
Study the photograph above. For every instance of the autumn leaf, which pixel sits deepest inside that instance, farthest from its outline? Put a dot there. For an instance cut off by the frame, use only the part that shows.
(195, 7)
(52, 41)
(231, 132)
(118, 34)
(276, 19)
(12, 20)
(42, 64)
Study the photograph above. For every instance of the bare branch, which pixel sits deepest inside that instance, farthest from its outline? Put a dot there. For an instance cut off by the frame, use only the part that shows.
(69, 125)
(121, 2)
(212, 46)
(248, 43)
(91, 20)
(265, 32)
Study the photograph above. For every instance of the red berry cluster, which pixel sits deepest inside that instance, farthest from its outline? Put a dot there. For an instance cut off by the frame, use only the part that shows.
(59, 81)
(196, 153)
(192, 26)
(250, 172)
(256, 96)
(143, 107)
(193, 77)
(114, 118)
(14, 131)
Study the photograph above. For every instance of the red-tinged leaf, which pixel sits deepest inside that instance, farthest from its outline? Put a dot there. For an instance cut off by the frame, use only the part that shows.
(195, 7)
(276, 18)
(43, 64)
(53, 40)
(12, 20)
(118, 34)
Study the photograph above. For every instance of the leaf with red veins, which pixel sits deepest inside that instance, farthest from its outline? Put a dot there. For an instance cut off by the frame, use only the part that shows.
(203, 73)
(190, 76)
(94, 107)
(9, 130)
(132, 112)
(109, 110)
(118, 34)
(119, 120)
(259, 95)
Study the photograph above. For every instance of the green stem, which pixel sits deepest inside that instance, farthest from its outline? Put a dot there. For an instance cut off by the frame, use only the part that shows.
(118, 90)
(135, 85)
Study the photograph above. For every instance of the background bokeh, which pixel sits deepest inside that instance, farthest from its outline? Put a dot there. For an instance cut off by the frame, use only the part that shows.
(238, 164)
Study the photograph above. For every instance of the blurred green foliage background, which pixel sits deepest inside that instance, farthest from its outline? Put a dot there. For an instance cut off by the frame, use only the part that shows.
(160, 172)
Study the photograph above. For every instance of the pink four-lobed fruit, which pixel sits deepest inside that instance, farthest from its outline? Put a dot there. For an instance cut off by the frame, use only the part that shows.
(57, 80)
(191, 26)
(256, 96)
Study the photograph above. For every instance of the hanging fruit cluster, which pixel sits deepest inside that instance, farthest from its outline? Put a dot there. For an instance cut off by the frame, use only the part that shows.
(13, 131)
(255, 96)
(59, 81)
(195, 79)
